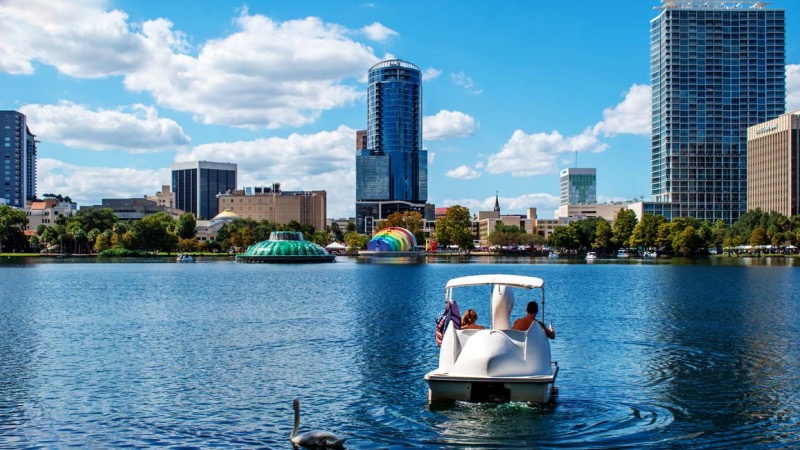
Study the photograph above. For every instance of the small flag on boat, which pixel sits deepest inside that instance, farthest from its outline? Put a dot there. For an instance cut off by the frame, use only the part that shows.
(450, 314)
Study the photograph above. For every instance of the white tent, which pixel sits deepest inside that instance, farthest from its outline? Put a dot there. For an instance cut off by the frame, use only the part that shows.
(335, 246)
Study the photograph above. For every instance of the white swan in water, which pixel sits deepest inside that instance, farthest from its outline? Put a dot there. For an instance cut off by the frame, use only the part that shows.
(314, 438)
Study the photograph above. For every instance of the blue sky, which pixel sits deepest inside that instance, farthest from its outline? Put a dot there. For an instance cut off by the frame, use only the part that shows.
(117, 91)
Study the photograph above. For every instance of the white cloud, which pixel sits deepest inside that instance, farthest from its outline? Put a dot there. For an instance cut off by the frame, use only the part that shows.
(463, 172)
(80, 38)
(378, 32)
(136, 129)
(448, 125)
(537, 154)
(265, 74)
(88, 185)
(430, 73)
(510, 205)
(461, 79)
(631, 116)
(320, 161)
(268, 74)
(792, 87)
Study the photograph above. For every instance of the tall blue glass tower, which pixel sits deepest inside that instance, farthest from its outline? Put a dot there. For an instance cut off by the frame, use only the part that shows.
(717, 67)
(17, 160)
(391, 166)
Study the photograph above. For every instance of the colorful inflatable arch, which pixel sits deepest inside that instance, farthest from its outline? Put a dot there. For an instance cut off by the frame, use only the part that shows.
(393, 239)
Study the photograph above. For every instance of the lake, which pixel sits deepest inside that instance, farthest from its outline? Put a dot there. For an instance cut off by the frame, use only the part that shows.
(700, 353)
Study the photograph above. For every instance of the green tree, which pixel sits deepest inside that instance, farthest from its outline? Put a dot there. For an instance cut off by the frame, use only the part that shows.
(645, 233)
(719, 231)
(92, 236)
(188, 245)
(603, 236)
(508, 235)
(758, 236)
(12, 229)
(564, 238)
(49, 237)
(187, 226)
(664, 238)
(155, 232)
(455, 228)
(686, 241)
(322, 238)
(336, 232)
(102, 219)
(103, 241)
(355, 241)
(624, 223)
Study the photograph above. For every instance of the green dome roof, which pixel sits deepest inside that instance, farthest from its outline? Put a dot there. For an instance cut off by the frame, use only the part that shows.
(285, 246)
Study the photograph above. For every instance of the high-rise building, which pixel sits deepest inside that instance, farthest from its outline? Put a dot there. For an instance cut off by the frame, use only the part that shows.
(578, 186)
(717, 67)
(773, 165)
(17, 160)
(196, 185)
(391, 167)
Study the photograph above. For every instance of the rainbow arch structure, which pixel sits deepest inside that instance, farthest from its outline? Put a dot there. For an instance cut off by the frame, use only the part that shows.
(393, 239)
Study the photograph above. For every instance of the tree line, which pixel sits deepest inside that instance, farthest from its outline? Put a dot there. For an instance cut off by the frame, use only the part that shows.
(101, 231)
(682, 236)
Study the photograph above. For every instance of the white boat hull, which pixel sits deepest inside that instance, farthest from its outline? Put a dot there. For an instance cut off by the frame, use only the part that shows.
(533, 389)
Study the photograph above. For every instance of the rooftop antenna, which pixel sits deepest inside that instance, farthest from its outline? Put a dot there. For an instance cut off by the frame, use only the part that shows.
(576, 158)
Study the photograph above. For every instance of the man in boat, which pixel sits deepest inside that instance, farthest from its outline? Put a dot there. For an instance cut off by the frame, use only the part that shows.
(523, 323)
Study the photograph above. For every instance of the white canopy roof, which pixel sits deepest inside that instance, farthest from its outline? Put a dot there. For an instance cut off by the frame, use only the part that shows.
(335, 245)
(508, 280)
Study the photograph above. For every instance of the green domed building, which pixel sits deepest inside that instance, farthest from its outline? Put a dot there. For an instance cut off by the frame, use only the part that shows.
(285, 247)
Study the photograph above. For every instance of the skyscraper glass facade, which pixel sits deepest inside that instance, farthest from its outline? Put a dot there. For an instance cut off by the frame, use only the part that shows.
(17, 160)
(197, 184)
(392, 166)
(578, 186)
(717, 67)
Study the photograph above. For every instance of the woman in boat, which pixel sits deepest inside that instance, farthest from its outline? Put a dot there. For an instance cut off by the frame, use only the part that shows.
(523, 323)
(468, 322)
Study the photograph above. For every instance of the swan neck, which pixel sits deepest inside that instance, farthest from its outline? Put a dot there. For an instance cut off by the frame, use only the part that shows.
(296, 422)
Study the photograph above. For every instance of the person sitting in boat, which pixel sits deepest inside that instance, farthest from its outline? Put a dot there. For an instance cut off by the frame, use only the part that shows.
(468, 322)
(523, 323)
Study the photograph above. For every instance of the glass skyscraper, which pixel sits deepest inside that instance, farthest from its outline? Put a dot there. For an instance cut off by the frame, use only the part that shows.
(196, 185)
(717, 67)
(391, 166)
(17, 160)
(578, 186)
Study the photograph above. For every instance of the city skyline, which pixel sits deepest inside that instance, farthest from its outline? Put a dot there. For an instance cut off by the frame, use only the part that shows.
(119, 91)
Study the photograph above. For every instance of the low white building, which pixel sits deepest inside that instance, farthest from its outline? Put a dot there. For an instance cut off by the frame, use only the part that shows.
(45, 212)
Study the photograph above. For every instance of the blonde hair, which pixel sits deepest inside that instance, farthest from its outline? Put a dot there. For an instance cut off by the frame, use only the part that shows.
(470, 317)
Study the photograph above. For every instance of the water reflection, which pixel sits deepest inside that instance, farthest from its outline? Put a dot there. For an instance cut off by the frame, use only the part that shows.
(204, 355)
(718, 355)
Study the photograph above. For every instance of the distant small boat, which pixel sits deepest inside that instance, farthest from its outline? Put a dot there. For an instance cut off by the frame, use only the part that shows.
(591, 255)
(553, 255)
(184, 258)
(623, 253)
(650, 254)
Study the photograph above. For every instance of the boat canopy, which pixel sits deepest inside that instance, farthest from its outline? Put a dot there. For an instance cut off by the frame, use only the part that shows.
(507, 280)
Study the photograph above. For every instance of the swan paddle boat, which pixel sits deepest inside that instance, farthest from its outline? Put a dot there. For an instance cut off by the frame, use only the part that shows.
(496, 364)
(184, 258)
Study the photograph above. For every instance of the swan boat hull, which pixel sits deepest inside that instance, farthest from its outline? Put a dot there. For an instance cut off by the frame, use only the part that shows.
(533, 389)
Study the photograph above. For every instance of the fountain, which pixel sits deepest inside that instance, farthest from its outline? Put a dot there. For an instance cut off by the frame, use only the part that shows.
(285, 247)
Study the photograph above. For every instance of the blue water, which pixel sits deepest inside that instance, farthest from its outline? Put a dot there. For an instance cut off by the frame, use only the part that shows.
(211, 355)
